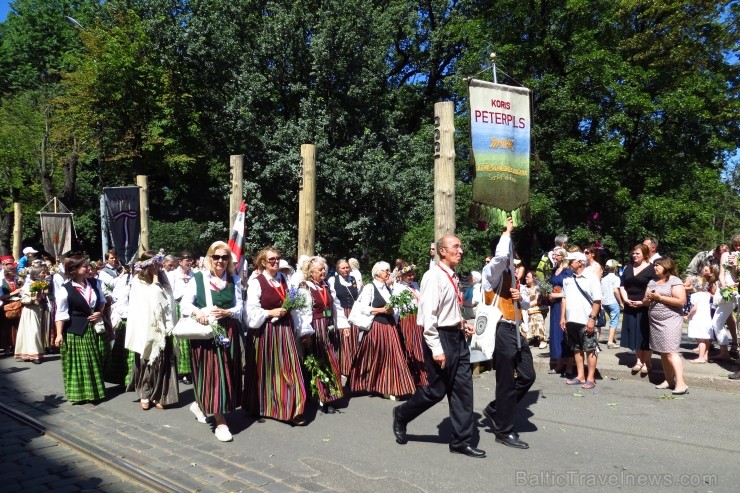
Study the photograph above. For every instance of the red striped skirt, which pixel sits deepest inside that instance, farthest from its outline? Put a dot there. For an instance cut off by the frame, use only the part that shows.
(348, 346)
(273, 382)
(413, 338)
(217, 372)
(380, 366)
(324, 351)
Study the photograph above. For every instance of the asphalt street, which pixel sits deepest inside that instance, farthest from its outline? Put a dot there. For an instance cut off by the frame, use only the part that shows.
(624, 435)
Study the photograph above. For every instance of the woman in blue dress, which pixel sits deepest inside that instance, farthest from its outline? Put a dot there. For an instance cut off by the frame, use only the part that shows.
(560, 354)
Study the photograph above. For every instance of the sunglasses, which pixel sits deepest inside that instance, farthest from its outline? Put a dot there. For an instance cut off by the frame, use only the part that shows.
(273, 260)
(223, 258)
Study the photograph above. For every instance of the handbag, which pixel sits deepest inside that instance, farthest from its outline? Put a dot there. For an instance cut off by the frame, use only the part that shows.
(601, 317)
(13, 309)
(486, 319)
(189, 328)
(360, 316)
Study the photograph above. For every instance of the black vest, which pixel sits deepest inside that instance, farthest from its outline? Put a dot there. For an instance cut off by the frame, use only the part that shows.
(78, 308)
(345, 295)
(379, 302)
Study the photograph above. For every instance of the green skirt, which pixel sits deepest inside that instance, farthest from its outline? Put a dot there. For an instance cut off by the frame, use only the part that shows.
(184, 367)
(83, 360)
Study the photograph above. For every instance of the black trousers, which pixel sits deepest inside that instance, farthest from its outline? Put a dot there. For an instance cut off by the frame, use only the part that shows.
(454, 381)
(514, 376)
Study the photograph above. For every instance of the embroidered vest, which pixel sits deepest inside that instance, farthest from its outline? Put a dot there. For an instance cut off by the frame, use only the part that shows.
(505, 303)
(223, 299)
(345, 295)
(379, 302)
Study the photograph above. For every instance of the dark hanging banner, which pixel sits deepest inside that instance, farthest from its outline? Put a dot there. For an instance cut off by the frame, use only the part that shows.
(124, 220)
(56, 232)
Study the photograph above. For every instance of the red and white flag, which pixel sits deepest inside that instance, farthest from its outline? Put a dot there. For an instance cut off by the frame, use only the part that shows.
(236, 240)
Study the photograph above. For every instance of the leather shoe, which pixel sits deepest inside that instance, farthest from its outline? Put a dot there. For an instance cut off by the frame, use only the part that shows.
(511, 440)
(327, 409)
(399, 429)
(489, 412)
(469, 451)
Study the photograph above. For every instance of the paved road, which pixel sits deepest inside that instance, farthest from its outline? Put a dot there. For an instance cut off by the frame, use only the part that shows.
(623, 433)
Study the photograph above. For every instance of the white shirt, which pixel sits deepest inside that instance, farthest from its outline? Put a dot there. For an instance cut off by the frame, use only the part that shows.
(577, 307)
(62, 301)
(438, 305)
(191, 294)
(655, 257)
(179, 281)
(494, 270)
(257, 316)
(609, 283)
(340, 319)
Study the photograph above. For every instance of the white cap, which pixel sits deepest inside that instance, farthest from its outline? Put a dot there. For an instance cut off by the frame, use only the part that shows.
(476, 275)
(576, 256)
(28, 250)
(611, 263)
(285, 265)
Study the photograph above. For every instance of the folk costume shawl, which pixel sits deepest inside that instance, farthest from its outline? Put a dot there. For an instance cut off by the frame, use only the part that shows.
(153, 317)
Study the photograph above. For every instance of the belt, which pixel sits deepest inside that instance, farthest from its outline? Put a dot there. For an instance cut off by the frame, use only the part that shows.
(449, 327)
(507, 321)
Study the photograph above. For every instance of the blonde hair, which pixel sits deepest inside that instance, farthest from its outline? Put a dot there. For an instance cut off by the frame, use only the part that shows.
(219, 245)
(306, 268)
(561, 251)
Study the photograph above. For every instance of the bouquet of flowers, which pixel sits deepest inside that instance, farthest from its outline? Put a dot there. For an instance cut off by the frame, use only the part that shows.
(544, 288)
(295, 299)
(729, 294)
(404, 302)
(39, 286)
(320, 371)
(220, 337)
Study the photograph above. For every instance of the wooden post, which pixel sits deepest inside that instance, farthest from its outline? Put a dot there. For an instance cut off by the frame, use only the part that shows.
(307, 200)
(142, 182)
(444, 169)
(17, 229)
(236, 172)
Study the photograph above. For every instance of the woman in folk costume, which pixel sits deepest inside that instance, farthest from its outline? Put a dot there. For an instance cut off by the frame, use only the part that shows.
(344, 291)
(412, 334)
(29, 345)
(215, 296)
(10, 292)
(380, 366)
(320, 320)
(149, 334)
(121, 365)
(273, 383)
(80, 305)
(180, 279)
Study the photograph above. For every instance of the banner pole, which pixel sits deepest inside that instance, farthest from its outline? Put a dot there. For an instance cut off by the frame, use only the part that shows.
(492, 56)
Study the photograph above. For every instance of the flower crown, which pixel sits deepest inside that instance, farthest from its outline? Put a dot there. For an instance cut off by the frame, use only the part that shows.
(407, 269)
(141, 265)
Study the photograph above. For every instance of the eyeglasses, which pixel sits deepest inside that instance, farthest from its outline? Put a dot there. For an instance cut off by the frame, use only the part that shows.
(223, 258)
(273, 260)
(587, 252)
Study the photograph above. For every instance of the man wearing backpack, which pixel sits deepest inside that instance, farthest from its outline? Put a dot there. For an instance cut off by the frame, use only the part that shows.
(546, 264)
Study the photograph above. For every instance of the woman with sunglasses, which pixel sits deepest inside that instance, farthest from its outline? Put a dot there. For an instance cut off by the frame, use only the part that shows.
(380, 366)
(80, 305)
(273, 382)
(214, 295)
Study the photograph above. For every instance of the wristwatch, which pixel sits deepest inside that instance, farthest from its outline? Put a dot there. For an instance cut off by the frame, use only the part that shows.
(592, 317)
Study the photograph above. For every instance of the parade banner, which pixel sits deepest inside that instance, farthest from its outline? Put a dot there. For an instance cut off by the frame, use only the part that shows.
(122, 214)
(500, 126)
(56, 232)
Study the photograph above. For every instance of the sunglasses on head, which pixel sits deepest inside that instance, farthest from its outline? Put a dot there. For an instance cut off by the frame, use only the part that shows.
(225, 258)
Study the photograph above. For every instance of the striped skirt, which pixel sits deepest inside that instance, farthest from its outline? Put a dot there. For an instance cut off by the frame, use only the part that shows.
(348, 341)
(121, 361)
(412, 336)
(324, 352)
(157, 380)
(273, 381)
(380, 366)
(82, 365)
(217, 372)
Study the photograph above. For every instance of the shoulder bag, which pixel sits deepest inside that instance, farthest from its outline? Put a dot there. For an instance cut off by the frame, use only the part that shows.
(601, 318)
(486, 319)
(12, 309)
(360, 315)
(190, 328)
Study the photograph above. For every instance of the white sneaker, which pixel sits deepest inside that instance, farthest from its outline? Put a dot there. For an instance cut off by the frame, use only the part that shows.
(223, 434)
(195, 409)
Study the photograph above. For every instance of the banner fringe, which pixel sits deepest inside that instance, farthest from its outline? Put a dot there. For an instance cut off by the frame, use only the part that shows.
(497, 217)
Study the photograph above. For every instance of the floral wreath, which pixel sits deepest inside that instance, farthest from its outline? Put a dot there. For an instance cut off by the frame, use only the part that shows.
(141, 265)
(407, 269)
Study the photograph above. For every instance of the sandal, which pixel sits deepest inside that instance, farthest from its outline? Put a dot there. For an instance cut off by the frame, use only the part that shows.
(588, 385)
(645, 369)
(574, 381)
(637, 368)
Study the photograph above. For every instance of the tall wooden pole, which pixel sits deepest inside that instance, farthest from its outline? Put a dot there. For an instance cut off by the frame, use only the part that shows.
(17, 229)
(142, 182)
(444, 169)
(236, 167)
(307, 200)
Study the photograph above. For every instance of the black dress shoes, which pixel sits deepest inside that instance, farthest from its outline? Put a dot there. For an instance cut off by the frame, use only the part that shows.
(327, 409)
(511, 440)
(469, 451)
(399, 429)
